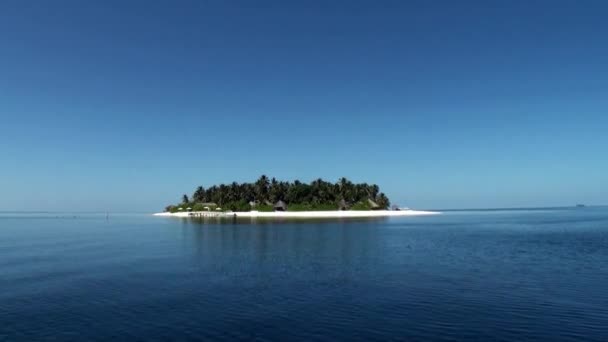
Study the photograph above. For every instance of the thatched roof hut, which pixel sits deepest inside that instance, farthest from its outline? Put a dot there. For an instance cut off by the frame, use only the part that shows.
(342, 205)
(280, 206)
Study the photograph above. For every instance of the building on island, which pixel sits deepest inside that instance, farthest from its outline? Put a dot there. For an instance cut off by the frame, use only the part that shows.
(342, 205)
(280, 206)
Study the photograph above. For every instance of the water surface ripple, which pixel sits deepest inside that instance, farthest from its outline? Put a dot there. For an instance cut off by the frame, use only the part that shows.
(501, 276)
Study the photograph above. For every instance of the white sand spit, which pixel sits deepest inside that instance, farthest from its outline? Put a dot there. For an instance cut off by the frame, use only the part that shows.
(313, 214)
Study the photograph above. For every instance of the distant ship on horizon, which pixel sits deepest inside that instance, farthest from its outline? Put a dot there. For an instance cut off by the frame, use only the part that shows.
(580, 205)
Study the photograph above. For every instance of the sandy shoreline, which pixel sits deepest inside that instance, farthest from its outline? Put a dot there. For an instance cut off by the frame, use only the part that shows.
(308, 214)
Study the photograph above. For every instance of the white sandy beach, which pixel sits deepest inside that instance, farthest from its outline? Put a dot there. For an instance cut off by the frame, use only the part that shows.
(310, 214)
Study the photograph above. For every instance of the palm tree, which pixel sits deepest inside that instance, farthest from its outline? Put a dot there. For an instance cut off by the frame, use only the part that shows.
(383, 201)
(247, 192)
(261, 188)
(212, 193)
(346, 190)
(273, 190)
(282, 189)
(343, 183)
(318, 192)
(223, 194)
(294, 193)
(373, 191)
(199, 194)
(234, 194)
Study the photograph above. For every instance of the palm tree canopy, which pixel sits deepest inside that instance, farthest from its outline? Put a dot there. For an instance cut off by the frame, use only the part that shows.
(270, 191)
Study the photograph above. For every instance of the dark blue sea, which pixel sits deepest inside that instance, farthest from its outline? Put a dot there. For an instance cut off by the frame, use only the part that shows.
(516, 275)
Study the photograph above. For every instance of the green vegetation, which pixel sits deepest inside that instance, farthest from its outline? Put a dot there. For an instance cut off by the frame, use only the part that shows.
(198, 207)
(263, 193)
(241, 205)
(312, 207)
(264, 208)
(361, 206)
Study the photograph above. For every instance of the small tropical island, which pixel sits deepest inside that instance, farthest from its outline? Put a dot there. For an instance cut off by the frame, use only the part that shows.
(269, 197)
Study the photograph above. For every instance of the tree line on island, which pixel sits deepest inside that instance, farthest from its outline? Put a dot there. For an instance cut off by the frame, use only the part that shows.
(269, 194)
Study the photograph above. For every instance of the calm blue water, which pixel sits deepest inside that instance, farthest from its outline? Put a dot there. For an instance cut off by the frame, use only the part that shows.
(512, 275)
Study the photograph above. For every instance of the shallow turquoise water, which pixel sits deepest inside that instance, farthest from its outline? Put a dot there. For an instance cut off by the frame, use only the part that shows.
(492, 275)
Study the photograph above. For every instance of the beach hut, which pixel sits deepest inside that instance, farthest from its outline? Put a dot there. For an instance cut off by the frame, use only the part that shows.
(218, 209)
(373, 204)
(342, 205)
(180, 209)
(189, 209)
(280, 206)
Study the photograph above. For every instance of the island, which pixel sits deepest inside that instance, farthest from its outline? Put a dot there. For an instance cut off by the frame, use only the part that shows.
(268, 197)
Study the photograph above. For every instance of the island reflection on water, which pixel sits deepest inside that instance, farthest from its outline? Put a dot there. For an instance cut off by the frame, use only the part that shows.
(248, 240)
(492, 275)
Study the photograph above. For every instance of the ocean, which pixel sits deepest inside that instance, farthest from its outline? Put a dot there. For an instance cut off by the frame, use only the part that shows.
(500, 275)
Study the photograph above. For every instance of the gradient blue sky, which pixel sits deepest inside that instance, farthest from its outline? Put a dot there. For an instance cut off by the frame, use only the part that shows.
(107, 105)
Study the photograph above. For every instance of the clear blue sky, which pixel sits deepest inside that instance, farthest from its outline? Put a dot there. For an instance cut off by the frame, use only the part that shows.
(445, 104)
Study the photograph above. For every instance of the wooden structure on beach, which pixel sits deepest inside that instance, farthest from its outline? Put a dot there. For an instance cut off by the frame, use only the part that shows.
(342, 205)
(210, 214)
(280, 206)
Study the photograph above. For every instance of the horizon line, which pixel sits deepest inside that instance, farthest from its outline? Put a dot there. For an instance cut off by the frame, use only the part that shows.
(432, 209)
